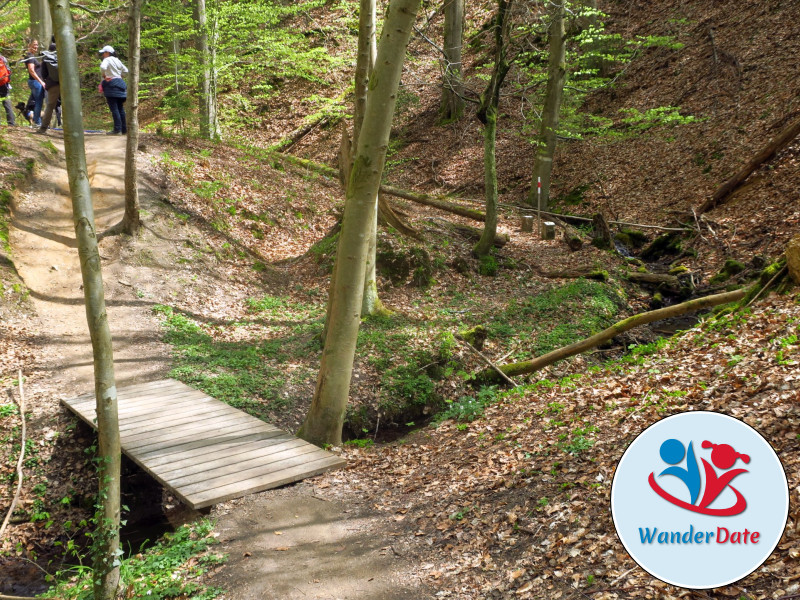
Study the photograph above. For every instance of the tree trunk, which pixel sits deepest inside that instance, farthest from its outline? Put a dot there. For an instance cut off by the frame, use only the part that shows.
(106, 569)
(487, 114)
(775, 145)
(131, 220)
(370, 302)
(41, 22)
(365, 63)
(452, 103)
(209, 125)
(323, 423)
(546, 142)
(490, 182)
(531, 366)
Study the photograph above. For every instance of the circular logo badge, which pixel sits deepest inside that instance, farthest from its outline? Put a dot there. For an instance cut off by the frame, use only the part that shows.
(699, 500)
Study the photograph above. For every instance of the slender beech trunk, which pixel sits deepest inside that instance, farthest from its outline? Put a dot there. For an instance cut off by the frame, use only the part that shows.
(323, 424)
(131, 220)
(367, 49)
(41, 22)
(209, 124)
(546, 141)
(106, 569)
(487, 114)
(452, 103)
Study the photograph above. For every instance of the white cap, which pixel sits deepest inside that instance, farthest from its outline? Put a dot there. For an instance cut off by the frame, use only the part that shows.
(108, 49)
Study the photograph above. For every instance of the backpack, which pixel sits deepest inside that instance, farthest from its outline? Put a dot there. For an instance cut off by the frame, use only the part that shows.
(51, 60)
(5, 74)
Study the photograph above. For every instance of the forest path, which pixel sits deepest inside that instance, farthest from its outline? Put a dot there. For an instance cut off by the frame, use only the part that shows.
(46, 255)
(309, 540)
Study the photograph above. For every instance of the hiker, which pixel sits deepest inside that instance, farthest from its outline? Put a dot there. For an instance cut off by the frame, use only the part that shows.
(5, 87)
(51, 85)
(35, 81)
(114, 88)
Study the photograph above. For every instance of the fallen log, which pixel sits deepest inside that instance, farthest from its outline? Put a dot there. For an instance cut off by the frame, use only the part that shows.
(669, 282)
(471, 233)
(435, 201)
(723, 192)
(531, 366)
(585, 272)
(298, 134)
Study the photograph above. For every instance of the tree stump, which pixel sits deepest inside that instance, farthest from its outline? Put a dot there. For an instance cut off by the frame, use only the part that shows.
(602, 233)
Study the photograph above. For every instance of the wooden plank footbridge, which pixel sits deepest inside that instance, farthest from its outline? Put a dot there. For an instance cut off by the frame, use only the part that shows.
(203, 450)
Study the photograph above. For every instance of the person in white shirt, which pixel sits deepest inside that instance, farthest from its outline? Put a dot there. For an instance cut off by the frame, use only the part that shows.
(114, 88)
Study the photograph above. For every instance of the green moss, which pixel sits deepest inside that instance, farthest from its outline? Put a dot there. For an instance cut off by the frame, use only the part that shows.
(631, 238)
(731, 268)
(573, 197)
(769, 272)
(487, 265)
(657, 301)
(475, 336)
(669, 243)
(678, 270)
(600, 275)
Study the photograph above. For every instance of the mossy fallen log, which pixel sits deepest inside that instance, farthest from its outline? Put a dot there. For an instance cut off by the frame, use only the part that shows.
(439, 202)
(531, 366)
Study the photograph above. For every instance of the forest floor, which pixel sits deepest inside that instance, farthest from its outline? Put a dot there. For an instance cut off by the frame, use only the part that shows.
(511, 503)
(514, 504)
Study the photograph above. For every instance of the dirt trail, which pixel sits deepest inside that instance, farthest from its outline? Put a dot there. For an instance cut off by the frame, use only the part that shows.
(310, 540)
(46, 256)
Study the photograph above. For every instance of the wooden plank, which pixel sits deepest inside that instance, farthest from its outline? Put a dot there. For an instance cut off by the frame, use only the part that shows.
(171, 420)
(240, 457)
(154, 400)
(202, 454)
(151, 442)
(202, 446)
(135, 390)
(201, 449)
(207, 498)
(171, 436)
(235, 472)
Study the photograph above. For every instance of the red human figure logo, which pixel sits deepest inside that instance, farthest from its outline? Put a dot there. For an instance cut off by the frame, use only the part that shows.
(724, 457)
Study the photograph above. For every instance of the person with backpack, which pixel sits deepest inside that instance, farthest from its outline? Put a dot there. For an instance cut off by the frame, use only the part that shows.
(5, 87)
(114, 88)
(51, 85)
(35, 81)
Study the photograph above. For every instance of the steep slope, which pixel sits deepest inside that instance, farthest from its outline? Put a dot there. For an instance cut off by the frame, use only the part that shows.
(516, 503)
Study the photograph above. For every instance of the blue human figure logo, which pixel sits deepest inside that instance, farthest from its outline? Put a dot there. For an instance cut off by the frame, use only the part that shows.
(672, 453)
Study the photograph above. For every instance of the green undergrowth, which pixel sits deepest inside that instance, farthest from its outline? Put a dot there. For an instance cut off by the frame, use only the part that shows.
(169, 570)
(560, 316)
(244, 363)
(406, 369)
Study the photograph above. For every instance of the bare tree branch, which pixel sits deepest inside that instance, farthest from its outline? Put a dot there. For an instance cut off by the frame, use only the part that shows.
(21, 457)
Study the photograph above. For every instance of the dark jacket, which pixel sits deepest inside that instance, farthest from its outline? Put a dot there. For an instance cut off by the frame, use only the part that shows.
(115, 88)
